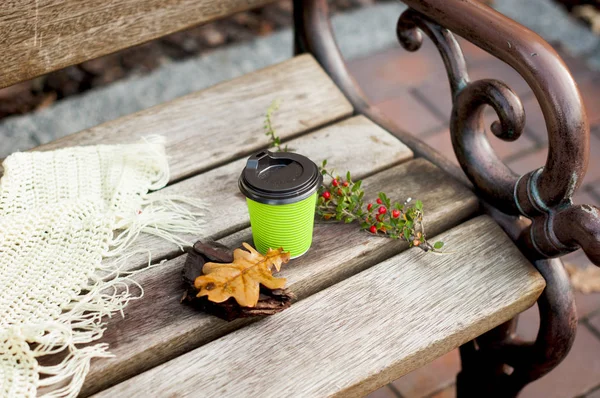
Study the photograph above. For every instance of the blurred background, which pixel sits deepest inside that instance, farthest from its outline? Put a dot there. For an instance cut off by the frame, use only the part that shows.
(411, 88)
(44, 91)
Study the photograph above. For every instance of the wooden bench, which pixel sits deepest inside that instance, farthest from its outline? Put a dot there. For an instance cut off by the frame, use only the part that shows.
(369, 309)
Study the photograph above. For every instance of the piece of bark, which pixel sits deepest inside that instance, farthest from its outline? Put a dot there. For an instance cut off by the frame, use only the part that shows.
(270, 301)
(214, 251)
(192, 267)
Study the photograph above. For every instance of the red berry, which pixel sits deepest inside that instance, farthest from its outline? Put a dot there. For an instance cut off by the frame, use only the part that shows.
(326, 195)
(345, 183)
(379, 217)
(395, 213)
(369, 206)
(373, 229)
(340, 192)
(379, 202)
(335, 183)
(382, 210)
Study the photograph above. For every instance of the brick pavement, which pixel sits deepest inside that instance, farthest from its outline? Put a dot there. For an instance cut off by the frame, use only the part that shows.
(411, 88)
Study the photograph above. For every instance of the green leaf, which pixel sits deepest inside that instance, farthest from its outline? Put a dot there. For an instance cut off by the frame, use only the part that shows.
(399, 206)
(438, 245)
(407, 234)
(419, 205)
(348, 220)
(324, 163)
(364, 225)
(385, 199)
(348, 178)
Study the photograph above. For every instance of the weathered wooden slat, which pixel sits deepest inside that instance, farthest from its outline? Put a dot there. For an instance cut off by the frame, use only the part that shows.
(39, 36)
(227, 213)
(364, 331)
(158, 328)
(225, 122)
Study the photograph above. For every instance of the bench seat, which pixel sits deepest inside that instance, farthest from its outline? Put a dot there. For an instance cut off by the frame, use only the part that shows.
(369, 310)
(365, 331)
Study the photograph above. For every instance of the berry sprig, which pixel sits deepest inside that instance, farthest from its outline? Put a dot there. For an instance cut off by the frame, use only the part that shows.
(340, 200)
(343, 200)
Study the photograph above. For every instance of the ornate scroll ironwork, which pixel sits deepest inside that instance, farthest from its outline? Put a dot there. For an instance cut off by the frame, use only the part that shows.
(554, 226)
(557, 227)
(543, 195)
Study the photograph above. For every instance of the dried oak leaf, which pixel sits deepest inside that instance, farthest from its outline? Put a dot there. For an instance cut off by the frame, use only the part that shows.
(585, 280)
(242, 278)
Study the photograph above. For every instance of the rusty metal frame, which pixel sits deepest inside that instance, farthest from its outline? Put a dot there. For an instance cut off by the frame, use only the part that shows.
(535, 209)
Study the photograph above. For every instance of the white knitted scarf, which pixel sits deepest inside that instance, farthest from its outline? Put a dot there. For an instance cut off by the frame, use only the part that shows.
(62, 214)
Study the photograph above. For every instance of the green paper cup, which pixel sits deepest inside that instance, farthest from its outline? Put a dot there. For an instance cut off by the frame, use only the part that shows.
(281, 192)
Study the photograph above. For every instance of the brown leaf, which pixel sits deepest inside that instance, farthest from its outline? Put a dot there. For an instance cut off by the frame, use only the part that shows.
(585, 280)
(590, 15)
(242, 278)
(47, 100)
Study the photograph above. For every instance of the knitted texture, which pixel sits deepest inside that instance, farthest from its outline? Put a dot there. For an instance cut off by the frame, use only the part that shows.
(58, 214)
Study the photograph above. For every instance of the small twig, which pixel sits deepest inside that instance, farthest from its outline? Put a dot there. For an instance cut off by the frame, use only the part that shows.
(274, 140)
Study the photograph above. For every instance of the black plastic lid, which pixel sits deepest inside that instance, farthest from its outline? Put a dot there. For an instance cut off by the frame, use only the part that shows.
(279, 178)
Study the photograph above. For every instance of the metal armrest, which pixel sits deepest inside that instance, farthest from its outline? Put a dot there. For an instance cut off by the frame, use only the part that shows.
(542, 195)
(554, 226)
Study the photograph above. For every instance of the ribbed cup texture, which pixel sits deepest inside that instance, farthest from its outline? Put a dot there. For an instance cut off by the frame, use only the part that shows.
(289, 226)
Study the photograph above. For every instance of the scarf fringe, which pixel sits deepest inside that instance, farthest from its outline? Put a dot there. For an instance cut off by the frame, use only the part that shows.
(110, 288)
(164, 216)
(109, 293)
(82, 323)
